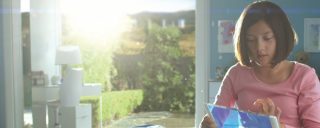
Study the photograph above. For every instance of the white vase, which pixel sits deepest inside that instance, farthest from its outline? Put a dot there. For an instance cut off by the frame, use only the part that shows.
(71, 87)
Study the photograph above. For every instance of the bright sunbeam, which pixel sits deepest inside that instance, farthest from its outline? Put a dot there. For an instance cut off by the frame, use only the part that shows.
(107, 19)
(96, 18)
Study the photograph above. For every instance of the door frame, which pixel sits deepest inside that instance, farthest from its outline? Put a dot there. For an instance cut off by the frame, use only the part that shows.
(12, 62)
(202, 57)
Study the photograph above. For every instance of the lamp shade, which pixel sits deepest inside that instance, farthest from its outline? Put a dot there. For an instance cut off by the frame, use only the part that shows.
(68, 55)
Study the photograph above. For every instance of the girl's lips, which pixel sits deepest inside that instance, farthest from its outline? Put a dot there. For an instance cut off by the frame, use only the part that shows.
(260, 57)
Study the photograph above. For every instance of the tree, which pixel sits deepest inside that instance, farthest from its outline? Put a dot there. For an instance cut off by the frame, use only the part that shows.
(165, 86)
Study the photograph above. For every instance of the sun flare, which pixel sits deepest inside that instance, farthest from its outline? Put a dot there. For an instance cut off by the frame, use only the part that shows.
(98, 18)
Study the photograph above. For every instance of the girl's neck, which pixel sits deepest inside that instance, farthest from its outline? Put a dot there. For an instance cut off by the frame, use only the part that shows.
(276, 74)
(265, 70)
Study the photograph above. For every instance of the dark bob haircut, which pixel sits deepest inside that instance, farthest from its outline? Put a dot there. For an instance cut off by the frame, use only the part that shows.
(276, 19)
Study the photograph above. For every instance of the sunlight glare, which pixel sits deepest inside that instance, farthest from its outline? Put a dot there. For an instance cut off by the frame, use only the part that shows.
(99, 18)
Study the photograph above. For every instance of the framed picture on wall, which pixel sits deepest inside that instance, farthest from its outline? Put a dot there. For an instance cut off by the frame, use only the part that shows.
(312, 34)
(225, 36)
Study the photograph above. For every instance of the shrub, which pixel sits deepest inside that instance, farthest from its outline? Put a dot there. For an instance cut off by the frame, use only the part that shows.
(115, 104)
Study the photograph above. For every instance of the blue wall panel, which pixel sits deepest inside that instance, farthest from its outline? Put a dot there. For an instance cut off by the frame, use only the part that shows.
(297, 10)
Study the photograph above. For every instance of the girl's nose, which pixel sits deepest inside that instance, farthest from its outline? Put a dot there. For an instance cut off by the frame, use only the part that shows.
(260, 45)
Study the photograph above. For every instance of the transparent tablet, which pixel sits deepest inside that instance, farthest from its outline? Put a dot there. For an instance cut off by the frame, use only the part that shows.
(233, 118)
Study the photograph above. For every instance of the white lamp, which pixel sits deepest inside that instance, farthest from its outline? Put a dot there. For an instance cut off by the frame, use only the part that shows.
(68, 55)
(71, 87)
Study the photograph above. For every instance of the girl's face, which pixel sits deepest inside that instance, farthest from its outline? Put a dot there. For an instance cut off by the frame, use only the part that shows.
(262, 44)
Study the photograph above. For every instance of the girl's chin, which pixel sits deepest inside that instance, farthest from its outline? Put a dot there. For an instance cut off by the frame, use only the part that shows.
(263, 64)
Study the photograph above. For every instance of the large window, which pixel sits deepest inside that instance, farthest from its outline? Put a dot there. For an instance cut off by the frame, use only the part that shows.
(142, 52)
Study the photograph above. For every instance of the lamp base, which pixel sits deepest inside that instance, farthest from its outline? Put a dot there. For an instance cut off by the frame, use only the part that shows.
(71, 88)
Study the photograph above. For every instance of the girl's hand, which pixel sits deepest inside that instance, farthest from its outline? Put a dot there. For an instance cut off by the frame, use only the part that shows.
(207, 122)
(267, 107)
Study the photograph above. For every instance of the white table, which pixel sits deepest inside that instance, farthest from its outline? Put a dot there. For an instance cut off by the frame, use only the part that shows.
(78, 116)
(41, 96)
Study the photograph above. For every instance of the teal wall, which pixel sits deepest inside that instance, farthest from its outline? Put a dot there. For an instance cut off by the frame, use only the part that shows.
(2, 95)
(297, 10)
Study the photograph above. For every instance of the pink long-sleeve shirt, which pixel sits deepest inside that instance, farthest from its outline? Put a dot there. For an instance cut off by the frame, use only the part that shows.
(298, 97)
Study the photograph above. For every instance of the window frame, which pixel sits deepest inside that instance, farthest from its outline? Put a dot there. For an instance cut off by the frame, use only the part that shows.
(12, 63)
(202, 57)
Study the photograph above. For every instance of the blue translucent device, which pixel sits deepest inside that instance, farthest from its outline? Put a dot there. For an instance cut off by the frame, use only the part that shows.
(225, 117)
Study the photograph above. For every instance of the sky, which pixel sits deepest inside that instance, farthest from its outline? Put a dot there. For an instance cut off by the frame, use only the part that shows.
(166, 5)
(138, 5)
(110, 17)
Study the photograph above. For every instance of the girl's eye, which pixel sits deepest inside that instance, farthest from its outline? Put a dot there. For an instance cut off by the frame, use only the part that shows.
(268, 38)
(250, 40)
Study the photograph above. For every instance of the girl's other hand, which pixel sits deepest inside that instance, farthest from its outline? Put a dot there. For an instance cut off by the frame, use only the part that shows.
(207, 122)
